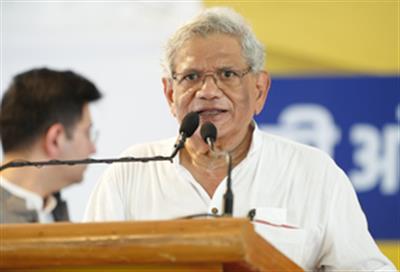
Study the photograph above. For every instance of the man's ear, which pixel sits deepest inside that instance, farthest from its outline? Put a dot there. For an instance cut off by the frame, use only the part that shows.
(53, 140)
(169, 94)
(262, 88)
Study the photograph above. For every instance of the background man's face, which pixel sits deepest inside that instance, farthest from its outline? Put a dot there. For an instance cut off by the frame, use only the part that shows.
(79, 146)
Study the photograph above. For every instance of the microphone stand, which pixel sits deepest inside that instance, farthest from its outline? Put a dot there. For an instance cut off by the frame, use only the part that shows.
(228, 196)
(22, 163)
(14, 164)
(179, 145)
(189, 125)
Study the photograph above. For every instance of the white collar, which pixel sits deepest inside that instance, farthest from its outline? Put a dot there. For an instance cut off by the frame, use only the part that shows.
(255, 140)
(254, 146)
(33, 201)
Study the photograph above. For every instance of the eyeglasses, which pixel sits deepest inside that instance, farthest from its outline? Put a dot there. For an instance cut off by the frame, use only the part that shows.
(93, 134)
(229, 78)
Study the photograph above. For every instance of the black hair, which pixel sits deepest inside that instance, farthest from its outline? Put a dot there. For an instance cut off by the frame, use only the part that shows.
(39, 98)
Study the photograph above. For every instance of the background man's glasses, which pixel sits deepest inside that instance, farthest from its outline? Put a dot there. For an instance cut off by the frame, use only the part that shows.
(93, 135)
(224, 77)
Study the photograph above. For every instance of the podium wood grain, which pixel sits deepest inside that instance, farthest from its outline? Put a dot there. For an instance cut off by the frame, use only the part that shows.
(224, 244)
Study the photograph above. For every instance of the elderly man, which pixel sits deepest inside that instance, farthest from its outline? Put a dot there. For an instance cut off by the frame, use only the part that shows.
(44, 115)
(303, 203)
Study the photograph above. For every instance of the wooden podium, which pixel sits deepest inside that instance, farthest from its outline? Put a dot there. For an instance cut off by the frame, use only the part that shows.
(223, 244)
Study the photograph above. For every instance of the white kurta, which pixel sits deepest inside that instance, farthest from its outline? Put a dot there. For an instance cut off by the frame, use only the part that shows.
(305, 205)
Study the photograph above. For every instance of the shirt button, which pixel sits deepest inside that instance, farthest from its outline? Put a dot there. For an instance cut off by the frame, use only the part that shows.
(214, 210)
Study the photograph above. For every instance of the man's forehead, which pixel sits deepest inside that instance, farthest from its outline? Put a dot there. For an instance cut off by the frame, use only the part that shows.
(216, 50)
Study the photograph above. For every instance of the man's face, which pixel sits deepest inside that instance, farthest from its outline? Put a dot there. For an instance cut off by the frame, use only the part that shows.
(229, 108)
(79, 145)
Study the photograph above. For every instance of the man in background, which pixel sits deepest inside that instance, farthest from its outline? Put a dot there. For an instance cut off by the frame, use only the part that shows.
(44, 116)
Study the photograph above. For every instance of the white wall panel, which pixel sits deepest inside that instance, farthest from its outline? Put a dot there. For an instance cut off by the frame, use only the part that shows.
(116, 45)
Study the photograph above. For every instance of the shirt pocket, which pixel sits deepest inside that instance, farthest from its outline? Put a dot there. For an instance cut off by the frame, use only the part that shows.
(273, 226)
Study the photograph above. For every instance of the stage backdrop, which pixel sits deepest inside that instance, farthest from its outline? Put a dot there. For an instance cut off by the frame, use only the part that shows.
(116, 45)
(335, 71)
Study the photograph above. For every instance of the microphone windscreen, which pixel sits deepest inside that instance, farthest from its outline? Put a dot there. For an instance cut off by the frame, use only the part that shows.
(189, 124)
(208, 130)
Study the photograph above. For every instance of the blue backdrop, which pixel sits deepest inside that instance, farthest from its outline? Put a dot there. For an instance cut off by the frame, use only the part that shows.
(356, 121)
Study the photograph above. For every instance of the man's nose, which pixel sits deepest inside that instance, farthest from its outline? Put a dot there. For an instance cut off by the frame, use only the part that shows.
(209, 88)
(206, 77)
(93, 148)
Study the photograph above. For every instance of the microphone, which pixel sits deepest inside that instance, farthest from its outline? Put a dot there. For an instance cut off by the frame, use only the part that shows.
(208, 132)
(188, 126)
